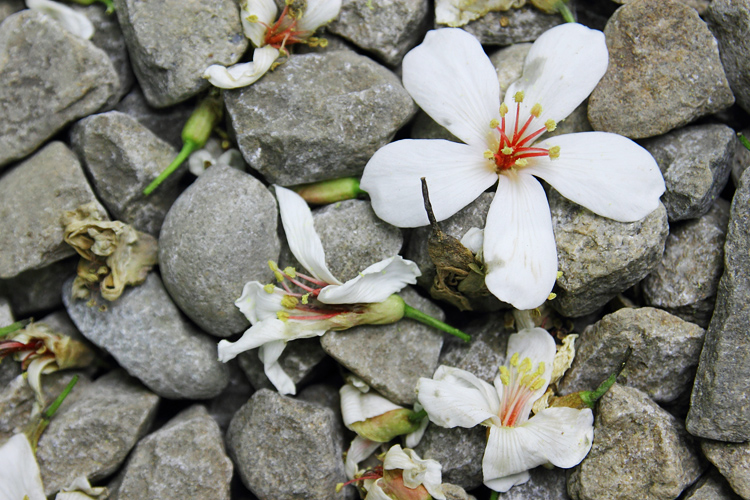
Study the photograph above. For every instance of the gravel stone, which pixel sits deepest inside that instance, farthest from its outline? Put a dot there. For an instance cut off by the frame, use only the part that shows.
(733, 462)
(699, 5)
(729, 20)
(512, 26)
(458, 450)
(223, 407)
(6, 314)
(741, 158)
(166, 123)
(38, 290)
(711, 487)
(9, 7)
(545, 484)
(486, 351)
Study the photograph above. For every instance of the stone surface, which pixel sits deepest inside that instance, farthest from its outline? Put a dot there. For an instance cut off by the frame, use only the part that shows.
(600, 257)
(184, 459)
(733, 462)
(38, 290)
(699, 5)
(640, 452)
(695, 162)
(545, 484)
(166, 123)
(741, 158)
(299, 360)
(48, 78)
(458, 450)
(35, 194)
(665, 352)
(486, 351)
(390, 358)
(664, 71)
(122, 157)
(299, 125)
(218, 235)
(6, 314)
(223, 407)
(9, 7)
(711, 487)
(687, 278)
(172, 42)
(729, 21)
(511, 26)
(719, 407)
(149, 337)
(92, 435)
(285, 448)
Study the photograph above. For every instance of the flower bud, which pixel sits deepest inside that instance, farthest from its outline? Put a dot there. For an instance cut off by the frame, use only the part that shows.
(384, 427)
(393, 485)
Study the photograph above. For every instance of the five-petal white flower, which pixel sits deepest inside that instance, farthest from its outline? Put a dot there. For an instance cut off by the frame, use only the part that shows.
(516, 443)
(451, 78)
(279, 315)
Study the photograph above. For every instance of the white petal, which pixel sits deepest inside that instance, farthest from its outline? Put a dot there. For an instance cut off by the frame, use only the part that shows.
(265, 11)
(260, 333)
(34, 373)
(457, 398)
(359, 450)
(473, 240)
(607, 173)
(318, 13)
(563, 434)
(199, 161)
(358, 407)
(269, 355)
(503, 484)
(396, 458)
(506, 459)
(243, 74)
(374, 284)
(303, 241)
(81, 489)
(73, 21)
(257, 304)
(376, 492)
(19, 472)
(412, 439)
(519, 245)
(452, 79)
(456, 175)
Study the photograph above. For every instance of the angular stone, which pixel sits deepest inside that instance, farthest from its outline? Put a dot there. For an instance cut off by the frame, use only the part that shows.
(35, 194)
(327, 396)
(695, 162)
(172, 42)
(600, 257)
(741, 158)
(455, 492)
(648, 448)
(458, 450)
(486, 351)
(699, 5)
(711, 487)
(122, 157)
(664, 71)
(729, 21)
(218, 235)
(149, 337)
(48, 78)
(665, 352)
(390, 358)
(93, 435)
(299, 125)
(184, 459)
(223, 407)
(299, 360)
(285, 448)
(166, 123)
(719, 407)
(545, 484)
(687, 278)
(38, 290)
(733, 462)
(512, 26)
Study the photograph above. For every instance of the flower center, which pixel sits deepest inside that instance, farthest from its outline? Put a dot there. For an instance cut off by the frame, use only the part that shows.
(302, 306)
(521, 382)
(284, 31)
(515, 139)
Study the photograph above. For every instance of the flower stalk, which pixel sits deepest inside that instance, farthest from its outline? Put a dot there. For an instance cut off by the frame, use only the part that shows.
(108, 3)
(416, 314)
(7, 330)
(36, 429)
(330, 191)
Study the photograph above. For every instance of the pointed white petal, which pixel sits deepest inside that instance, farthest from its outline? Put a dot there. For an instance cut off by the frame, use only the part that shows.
(34, 373)
(413, 438)
(416, 471)
(357, 406)
(396, 458)
(257, 304)
(473, 240)
(607, 173)
(359, 450)
(19, 472)
(506, 459)
(73, 21)
(452, 79)
(81, 489)
(303, 241)
(503, 484)
(318, 13)
(243, 74)
(374, 284)
(563, 435)
(519, 245)
(260, 333)
(269, 355)
(457, 398)
(456, 174)
(265, 11)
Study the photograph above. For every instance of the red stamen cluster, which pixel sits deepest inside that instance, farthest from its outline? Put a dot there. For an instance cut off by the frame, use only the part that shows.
(517, 143)
(284, 31)
(317, 310)
(36, 346)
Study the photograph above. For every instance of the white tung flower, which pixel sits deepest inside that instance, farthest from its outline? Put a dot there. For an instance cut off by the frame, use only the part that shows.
(415, 472)
(324, 303)
(73, 21)
(515, 443)
(451, 78)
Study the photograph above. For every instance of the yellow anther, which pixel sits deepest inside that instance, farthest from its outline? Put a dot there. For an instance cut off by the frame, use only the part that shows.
(504, 375)
(550, 124)
(514, 359)
(538, 384)
(559, 274)
(273, 265)
(323, 42)
(503, 110)
(289, 301)
(282, 315)
(339, 487)
(518, 97)
(527, 380)
(521, 162)
(551, 296)
(290, 271)
(305, 298)
(536, 110)
(554, 152)
(540, 368)
(279, 276)
(252, 19)
(525, 365)
(507, 150)
(269, 288)
(494, 123)
(489, 155)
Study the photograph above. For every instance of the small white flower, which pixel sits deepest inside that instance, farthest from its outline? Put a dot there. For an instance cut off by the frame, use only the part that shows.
(213, 154)
(516, 443)
(19, 472)
(278, 315)
(73, 21)
(451, 78)
(414, 472)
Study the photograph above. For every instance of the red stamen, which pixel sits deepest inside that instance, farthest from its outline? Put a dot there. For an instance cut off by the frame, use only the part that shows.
(532, 136)
(316, 317)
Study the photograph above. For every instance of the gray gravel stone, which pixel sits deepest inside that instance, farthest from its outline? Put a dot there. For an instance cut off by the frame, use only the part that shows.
(711, 487)
(733, 462)
(38, 290)
(166, 123)
(640, 452)
(299, 125)
(299, 360)
(48, 78)
(152, 340)
(285, 448)
(35, 194)
(512, 26)
(729, 21)
(458, 450)
(695, 162)
(664, 71)
(719, 407)
(699, 5)
(741, 158)
(184, 459)
(9, 7)
(172, 42)
(223, 407)
(687, 278)
(218, 235)
(122, 157)
(390, 358)
(327, 396)
(545, 484)
(486, 351)
(665, 352)
(600, 257)
(92, 435)
(6, 314)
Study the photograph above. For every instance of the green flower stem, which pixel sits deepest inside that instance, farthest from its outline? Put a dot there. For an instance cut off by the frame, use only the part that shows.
(410, 312)
(37, 429)
(187, 148)
(418, 416)
(590, 397)
(565, 12)
(494, 495)
(331, 191)
(745, 142)
(108, 3)
(7, 330)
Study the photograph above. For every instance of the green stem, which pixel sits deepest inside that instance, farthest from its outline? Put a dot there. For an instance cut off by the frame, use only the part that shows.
(36, 431)
(565, 12)
(410, 312)
(745, 142)
(418, 416)
(187, 149)
(330, 191)
(7, 330)
(591, 397)
(108, 3)
(494, 495)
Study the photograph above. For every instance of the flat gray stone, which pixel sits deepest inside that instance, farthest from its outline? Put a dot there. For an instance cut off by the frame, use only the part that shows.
(512, 26)
(711, 487)
(664, 71)
(600, 257)
(172, 42)
(299, 360)
(35, 195)
(93, 435)
(122, 157)
(149, 337)
(184, 459)
(665, 352)
(38, 290)
(219, 234)
(298, 125)
(741, 158)
(729, 21)
(166, 123)
(458, 450)
(285, 448)
(544, 484)
(640, 452)
(9, 7)
(733, 462)
(48, 78)
(223, 407)
(686, 280)
(719, 407)
(486, 351)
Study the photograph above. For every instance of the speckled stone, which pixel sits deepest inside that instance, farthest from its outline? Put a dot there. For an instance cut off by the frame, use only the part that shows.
(711, 487)
(38, 290)
(733, 462)
(166, 123)
(512, 26)
(458, 450)
(729, 21)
